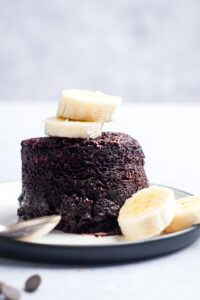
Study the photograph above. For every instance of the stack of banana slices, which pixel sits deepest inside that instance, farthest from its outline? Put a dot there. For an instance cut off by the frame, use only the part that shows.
(154, 210)
(81, 114)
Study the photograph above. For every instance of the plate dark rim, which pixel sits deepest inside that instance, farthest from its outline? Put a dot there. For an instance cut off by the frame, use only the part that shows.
(84, 255)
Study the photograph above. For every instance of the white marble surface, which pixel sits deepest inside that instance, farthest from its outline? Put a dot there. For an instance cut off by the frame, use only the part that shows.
(141, 50)
(169, 135)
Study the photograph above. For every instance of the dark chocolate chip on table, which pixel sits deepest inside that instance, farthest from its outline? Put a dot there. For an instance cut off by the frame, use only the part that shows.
(10, 293)
(1, 285)
(32, 283)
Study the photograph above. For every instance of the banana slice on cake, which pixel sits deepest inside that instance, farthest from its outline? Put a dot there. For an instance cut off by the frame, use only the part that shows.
(147, 213)
(72, 129)
(187, 214)
(89, 106)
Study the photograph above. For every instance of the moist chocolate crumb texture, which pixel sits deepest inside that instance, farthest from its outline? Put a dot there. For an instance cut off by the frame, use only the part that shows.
(85, 180)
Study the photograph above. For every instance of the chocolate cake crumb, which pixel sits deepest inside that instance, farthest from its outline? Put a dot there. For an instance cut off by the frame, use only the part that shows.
(86, 181)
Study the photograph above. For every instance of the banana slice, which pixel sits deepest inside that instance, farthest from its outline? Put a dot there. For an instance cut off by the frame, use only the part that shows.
(72, 129)
(89, 106)
(147, 213)
(187, 214)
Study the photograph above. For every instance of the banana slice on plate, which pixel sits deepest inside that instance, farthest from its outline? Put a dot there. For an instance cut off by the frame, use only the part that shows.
(187, 214)
(72, 129)
(147, 213)
(89, 106)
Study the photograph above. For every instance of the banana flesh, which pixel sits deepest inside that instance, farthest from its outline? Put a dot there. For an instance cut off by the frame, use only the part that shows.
(81, 114)
(186, 215)
(147, 213)
(89, 106)
(72, 129)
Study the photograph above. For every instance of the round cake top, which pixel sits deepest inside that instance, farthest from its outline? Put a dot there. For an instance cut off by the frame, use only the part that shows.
(115, 141)
(110, 147)
(114, 138)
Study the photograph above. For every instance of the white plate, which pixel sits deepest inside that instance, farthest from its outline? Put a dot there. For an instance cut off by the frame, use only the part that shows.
(58, 247)
(9, 193)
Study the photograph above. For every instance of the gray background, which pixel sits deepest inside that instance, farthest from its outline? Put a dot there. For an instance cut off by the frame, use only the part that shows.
(142, 50)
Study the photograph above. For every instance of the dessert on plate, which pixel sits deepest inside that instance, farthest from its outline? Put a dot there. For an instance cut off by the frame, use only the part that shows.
(79, 172)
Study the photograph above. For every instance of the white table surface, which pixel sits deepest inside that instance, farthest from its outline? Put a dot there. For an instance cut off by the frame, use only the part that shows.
(169, 135)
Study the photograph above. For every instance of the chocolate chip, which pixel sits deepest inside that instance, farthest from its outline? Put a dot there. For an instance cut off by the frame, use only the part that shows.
(10, 293)
(32, 283)
(1, 285)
